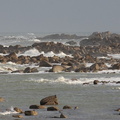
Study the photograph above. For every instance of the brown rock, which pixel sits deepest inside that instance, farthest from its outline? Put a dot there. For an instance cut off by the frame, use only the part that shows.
(50, 100)
(37, 107)
(67, 107)
(29, 113)
(17, 116)
(95, 82)
(2, 99)
(18, 110)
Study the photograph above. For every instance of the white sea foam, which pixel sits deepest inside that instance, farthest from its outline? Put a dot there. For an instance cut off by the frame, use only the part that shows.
(35, 52)
(32, 52)
(8, 111)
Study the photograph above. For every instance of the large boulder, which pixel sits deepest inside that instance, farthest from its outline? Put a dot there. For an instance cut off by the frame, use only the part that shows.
(50, 100)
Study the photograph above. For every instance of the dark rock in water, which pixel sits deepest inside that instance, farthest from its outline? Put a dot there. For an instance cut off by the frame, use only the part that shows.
(37, 107)
(118, 82)
(30, 70)
(95, 82)
(50, 100)
(67, 107)
(52, 109)
(29, 113)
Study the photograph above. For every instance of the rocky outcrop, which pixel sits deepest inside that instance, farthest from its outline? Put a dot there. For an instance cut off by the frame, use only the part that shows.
(50, 100)
(104, 39)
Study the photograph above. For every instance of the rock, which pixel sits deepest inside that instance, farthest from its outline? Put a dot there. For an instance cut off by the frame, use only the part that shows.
(45, 64)
(37, 107)
(67, 107)
(71, 43)
(50, 100)
(98, 66)
(57, 68)
(116, 66)
(95, 82)
(63, 116)
(118, 110)
(18, 110)
(30, 70)
(17, 116)
(29, 113)
(52, 109)
(118, 82)
(13, 57)
(2, 99)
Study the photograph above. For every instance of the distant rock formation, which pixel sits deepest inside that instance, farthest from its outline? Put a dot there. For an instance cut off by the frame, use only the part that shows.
(61, 36)
(104, 38)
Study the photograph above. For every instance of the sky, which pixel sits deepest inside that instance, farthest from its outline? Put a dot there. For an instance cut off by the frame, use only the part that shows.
(56, 16)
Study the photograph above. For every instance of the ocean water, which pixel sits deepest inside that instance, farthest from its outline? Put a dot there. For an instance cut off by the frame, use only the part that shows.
(94, 102)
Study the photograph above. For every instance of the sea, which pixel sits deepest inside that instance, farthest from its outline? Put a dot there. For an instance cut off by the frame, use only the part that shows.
(93, 102)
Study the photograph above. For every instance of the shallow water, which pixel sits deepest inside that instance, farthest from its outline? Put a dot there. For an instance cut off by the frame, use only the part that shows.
(95, 102)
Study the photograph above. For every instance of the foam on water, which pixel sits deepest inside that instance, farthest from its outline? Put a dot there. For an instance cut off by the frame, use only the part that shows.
(73, 81)
(35, 52)
(9, 111)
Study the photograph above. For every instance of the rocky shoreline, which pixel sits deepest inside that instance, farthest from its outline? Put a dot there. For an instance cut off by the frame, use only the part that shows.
(89, 51)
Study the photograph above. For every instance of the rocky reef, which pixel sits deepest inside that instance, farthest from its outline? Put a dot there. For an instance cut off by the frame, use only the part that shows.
(89, 51)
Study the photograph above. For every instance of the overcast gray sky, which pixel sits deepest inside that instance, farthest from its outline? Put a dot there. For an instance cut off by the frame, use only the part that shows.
(59, 16)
